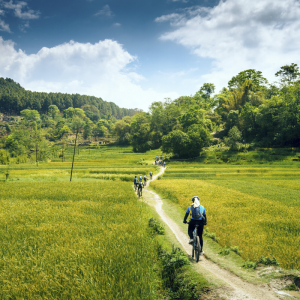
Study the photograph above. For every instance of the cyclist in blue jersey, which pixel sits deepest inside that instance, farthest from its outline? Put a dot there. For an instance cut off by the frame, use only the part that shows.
(141, 178)
(199, 217)
(151, 175)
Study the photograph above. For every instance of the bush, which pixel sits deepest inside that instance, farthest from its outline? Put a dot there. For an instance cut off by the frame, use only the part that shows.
(4, 157)
(156, 226)
(236, 250)
(249, 265)
(225, 251)
(268, 261)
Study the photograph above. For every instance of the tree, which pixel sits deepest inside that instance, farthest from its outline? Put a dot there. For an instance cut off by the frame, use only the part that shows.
(76, 125)
(255, 76)
(188, 144)
(203, 96)
(30, 115)
(53, 111)
(234, 136)
(122, 130)
(176, 142)
(288, 73)
(38, 138)
(140, 131)
(87, 130)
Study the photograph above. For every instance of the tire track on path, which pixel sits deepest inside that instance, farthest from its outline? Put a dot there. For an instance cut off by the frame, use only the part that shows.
(239, 289)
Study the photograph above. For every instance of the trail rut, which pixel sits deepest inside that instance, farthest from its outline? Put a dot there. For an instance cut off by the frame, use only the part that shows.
(237, 289)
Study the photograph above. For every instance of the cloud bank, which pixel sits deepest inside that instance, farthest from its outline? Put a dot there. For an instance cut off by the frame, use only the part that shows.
(239, 35)
(100, 69)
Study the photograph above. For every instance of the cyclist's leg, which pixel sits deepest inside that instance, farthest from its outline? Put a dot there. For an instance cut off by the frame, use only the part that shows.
(200, 233)
(191, 229)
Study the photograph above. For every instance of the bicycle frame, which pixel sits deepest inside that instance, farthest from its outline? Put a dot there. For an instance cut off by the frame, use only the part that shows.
(196, 244)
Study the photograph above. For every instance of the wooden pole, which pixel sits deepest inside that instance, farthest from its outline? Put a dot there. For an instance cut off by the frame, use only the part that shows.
(74, 155)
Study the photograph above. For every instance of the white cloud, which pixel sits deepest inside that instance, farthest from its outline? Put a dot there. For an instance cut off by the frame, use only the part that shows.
(4, 26)
(17, 8)
(239, 35)
(117, 24)
(105, 11)
(91, 69)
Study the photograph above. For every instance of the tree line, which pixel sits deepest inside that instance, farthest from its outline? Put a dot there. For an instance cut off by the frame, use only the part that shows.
(14, 99)
(249, 110)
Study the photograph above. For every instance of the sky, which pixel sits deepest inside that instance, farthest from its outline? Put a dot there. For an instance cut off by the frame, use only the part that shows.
(134, 52)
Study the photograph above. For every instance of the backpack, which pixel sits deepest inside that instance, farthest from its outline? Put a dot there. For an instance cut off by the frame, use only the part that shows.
(196, 212)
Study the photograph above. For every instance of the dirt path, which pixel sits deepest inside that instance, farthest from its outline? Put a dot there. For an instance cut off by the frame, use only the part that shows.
(238, 288)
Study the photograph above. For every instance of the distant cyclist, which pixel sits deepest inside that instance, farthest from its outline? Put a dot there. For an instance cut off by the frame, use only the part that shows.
(135, 181)
(198, 213)
(164, 164)
(151, 175)
(157, 157)
(140, 178)
(140, 187)
(162, 157)
(145, 180)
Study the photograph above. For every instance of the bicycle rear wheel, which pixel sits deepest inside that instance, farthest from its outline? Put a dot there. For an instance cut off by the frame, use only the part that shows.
(198, 249)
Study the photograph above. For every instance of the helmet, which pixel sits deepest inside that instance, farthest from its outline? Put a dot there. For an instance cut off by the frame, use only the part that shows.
(194, 197)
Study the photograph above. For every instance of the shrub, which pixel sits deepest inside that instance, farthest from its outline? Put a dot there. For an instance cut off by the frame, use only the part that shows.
(156, 226)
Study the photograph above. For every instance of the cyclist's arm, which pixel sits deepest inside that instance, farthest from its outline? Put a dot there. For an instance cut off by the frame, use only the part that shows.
(186, 215)
(204, 214)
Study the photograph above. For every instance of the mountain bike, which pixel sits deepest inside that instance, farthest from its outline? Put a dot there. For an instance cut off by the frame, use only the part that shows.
(196, 244)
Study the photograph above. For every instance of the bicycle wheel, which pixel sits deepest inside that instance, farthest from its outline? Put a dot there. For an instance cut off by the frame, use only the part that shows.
(198, 249)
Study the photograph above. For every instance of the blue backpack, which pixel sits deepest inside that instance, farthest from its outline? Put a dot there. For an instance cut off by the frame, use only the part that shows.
(196, 212)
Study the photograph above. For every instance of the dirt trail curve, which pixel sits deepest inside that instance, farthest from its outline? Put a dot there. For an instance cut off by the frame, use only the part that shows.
(238, 288)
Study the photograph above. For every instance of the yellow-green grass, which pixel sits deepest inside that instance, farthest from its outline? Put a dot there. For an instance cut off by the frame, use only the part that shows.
(78, 240)
(107, 162)
(258, 225)
(280, 183)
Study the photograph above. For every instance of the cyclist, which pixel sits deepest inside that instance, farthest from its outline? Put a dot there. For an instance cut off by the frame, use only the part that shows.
(164, 164)
(162, 157)
(135, 181)
(140, 187)
(151, 175)
(197, 219)
(145, 180)
(140, 178)
(157, 157)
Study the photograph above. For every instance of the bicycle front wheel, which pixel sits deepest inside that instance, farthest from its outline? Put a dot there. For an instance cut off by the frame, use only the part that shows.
(198, 249)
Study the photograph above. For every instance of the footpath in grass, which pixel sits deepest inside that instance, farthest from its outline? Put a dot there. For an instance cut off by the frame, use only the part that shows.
(260, 217)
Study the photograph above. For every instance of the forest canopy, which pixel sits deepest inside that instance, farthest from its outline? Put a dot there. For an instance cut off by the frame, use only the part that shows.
(248, 110)
(14, 99)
